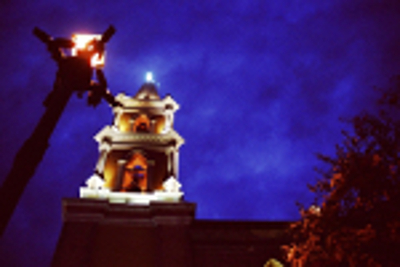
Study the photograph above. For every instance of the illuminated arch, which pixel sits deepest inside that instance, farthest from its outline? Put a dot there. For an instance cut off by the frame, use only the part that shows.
(134, 178)
(142, 124)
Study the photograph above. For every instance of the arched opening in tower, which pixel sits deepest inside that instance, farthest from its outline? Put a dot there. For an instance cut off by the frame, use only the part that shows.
(135, 174)
(142, 124)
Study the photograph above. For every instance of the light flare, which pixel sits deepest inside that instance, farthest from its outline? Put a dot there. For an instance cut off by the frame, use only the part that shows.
(84, 48)
(149, 77)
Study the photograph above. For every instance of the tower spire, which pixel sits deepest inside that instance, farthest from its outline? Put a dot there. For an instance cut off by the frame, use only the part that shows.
(149, 77)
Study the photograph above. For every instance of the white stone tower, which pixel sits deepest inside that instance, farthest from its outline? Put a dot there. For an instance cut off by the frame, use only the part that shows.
(139, 153)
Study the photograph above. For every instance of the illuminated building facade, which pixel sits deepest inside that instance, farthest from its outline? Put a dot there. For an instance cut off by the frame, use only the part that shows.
(131, 212)
(139, 153)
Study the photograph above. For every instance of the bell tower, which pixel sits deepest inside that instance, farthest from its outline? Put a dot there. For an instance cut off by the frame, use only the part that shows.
(131, 210)
(139, 152)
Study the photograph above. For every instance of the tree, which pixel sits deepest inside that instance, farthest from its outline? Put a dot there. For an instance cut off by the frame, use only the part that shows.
(357, 222)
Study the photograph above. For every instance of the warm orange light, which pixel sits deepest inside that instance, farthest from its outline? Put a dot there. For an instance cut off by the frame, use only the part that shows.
(136, 160)
(142, 124)
(160, 125)
(84, 48)
(110, 172)
(124, 123)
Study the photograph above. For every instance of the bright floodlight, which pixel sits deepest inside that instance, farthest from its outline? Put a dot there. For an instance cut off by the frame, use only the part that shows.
(149, 77)
(81, 47)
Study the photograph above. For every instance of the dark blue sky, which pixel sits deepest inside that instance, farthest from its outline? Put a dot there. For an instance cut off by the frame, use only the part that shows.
(261, 86)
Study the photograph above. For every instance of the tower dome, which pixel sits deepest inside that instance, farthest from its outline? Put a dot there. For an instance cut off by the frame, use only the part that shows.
(147, 91)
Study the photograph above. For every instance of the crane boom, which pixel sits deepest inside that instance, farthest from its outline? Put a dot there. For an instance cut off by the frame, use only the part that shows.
(74, 75)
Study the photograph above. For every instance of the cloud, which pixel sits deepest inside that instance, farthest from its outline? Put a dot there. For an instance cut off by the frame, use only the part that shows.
(261, 86)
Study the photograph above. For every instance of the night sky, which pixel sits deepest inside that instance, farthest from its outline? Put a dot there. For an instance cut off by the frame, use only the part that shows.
(261, 84)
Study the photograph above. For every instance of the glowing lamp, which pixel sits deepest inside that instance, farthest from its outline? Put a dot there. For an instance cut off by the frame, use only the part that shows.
(85, 46)
(149, 77)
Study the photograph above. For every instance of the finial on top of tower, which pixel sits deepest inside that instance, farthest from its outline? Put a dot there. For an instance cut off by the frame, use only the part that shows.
(148, 91)
(149, 77)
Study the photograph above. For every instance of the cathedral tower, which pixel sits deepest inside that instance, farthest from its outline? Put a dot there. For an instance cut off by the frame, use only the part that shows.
(139, 152)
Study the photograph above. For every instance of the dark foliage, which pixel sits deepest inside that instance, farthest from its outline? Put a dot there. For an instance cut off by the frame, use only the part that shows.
(358, 220)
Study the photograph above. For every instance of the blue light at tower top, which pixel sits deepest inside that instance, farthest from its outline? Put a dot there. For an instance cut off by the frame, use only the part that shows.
(149, 77)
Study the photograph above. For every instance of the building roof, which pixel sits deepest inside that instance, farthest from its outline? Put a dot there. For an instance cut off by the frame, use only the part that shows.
(148, 91)
(99, 233)
(116, 137)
